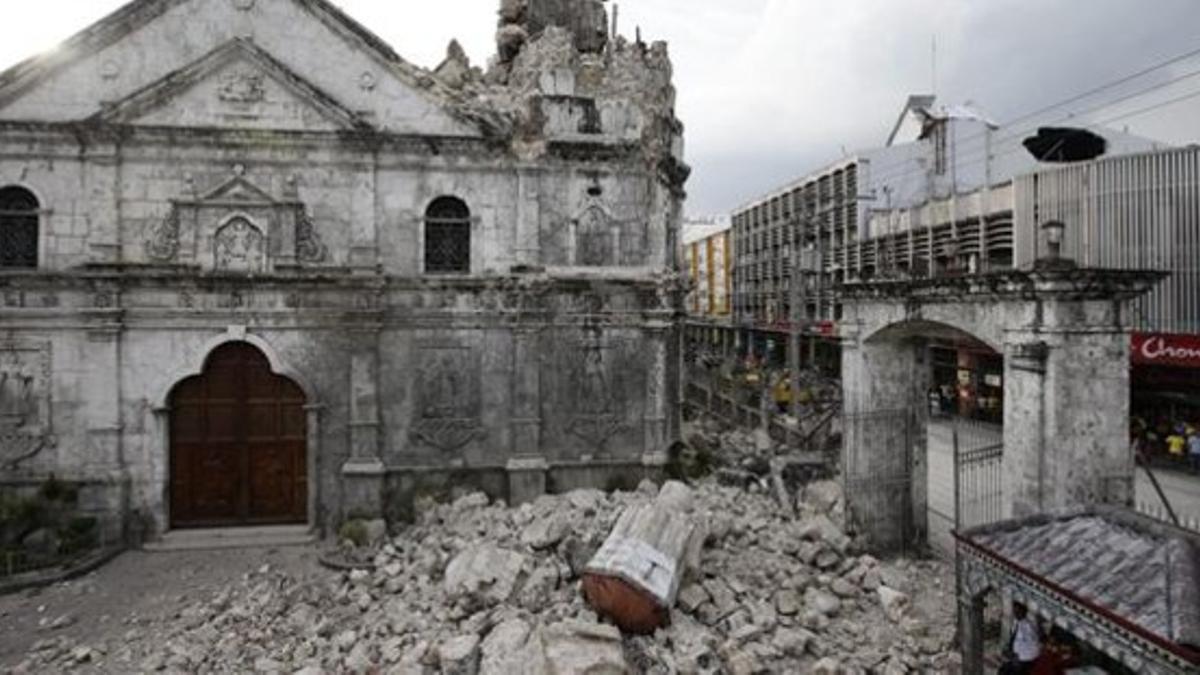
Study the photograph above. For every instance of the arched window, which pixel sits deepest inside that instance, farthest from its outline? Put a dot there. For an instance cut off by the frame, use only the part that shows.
(447, 237)
(18, 228)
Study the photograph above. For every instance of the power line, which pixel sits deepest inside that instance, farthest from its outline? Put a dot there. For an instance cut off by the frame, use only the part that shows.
(1096, 90)
(976, 157)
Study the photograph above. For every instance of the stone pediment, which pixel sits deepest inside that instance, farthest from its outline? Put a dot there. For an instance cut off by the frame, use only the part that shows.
(316, 59)
(237, 227)
(238, 85)
(238, 190)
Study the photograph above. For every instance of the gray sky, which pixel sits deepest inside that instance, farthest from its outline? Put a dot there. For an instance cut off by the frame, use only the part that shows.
(772, 89)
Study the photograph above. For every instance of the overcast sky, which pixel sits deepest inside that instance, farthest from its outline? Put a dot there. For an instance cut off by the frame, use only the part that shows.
(772, 89)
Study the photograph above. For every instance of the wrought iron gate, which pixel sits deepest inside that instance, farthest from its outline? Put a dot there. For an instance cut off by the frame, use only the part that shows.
(978, 475)
(877, 459)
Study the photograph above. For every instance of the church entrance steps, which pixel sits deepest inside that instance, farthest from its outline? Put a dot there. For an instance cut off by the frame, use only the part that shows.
(233, 537)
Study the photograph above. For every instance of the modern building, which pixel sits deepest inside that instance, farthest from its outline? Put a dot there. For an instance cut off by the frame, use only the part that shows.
(707, 261)
(1132, 211)
(256, 268)
(939, 161)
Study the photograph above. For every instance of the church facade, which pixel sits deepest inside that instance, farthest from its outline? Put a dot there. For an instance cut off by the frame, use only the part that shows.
(255, 268)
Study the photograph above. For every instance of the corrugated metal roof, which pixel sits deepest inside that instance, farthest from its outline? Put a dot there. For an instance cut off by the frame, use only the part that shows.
(1146, 575)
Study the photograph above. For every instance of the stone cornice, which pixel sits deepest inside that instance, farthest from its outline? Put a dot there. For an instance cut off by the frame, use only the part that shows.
(1074, 284)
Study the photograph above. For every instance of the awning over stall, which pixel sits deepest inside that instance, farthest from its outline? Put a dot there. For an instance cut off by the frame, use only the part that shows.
(1125, 584)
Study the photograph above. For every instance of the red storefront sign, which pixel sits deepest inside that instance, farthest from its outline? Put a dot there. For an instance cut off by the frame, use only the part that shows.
(1162, 349)
(822, 328)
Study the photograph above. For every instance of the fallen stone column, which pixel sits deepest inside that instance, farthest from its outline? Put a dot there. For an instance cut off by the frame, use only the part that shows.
(635, 576)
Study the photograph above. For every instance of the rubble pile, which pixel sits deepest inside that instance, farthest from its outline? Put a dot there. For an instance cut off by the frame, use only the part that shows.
(478, 588)
(747, 457)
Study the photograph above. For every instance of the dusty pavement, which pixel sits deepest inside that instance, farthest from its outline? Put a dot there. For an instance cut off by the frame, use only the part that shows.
(130, 598)
(476, 588)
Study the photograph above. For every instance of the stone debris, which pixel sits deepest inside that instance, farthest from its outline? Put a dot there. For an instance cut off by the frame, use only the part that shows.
(479, 588)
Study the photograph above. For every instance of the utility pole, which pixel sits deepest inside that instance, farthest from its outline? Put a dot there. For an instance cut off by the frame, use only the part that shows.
(796, 320)
(796, 296)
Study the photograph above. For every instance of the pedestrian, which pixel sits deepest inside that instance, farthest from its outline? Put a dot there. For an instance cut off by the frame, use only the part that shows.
(1193, 446)
(1176, 444)
(1024, 645)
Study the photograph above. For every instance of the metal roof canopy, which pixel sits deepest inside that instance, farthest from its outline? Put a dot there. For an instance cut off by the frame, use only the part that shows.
(1125, 584)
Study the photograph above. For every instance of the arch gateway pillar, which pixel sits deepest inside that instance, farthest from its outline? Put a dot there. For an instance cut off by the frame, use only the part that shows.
(1064, 335)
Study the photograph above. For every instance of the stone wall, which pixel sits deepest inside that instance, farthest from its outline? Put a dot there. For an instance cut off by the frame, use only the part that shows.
(256, 196)
(1064, 335)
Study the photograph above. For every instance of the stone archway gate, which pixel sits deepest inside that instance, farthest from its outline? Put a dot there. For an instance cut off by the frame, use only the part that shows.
(1064, 335)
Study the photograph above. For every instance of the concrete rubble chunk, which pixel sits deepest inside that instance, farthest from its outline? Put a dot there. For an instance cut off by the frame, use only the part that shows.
(822, 602)
(691, 597)
(823, 497)
(546, 532)
(827, 666)
(507, 649)
(788, 602)
(821, 528)
(487, 571)
(895, 604)
(634, 578)
(792, 642)
(580, 647)
(459, 655)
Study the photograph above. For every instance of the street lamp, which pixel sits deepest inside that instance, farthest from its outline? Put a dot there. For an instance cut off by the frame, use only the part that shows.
(1055, 231)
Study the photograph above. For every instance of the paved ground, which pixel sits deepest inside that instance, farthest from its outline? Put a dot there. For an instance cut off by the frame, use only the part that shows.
(130, 593)
(1181, 488)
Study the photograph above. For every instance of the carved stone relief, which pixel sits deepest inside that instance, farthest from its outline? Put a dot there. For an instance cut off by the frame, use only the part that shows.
(24, 400)
(244, 214)
(240, 86)
(448, 397)
(598, 414)
(594, 238)
(309, 247)
(239, 246)
(593, 389)
(163, 243)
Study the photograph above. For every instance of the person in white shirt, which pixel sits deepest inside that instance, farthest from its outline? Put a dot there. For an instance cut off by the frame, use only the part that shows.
(1025, 645)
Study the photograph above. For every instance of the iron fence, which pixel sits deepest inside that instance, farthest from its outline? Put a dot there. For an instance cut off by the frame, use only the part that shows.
(54, 554)
(978, 490)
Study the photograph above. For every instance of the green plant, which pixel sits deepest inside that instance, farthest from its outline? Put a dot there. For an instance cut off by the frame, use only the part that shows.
(353, 531)
(78, 533)
(54, 490)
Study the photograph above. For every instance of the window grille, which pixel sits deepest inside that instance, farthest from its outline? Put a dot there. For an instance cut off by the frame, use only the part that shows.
(18, 228)
(447, 237)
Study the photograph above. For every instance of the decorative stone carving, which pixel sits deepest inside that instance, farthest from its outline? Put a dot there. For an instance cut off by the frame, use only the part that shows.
(163, 242)
(367, 81)
(594, 238)
(598, 414)
(243, 5)
(309, 247)
(448, 399)
(239, 247)
(24, 401)
(242, 86)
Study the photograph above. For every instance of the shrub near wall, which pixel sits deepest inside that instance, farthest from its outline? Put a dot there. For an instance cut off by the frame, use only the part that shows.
(43, 528)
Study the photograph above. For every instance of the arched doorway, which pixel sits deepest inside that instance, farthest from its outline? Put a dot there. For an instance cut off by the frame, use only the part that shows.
(238, 439)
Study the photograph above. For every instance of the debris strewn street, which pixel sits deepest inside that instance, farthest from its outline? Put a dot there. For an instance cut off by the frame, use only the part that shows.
(477, 587)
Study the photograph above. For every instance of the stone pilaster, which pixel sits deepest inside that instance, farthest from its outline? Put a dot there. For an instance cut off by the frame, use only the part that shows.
(364, 472)
(1066, 439)
(654, 450)
(526, 412)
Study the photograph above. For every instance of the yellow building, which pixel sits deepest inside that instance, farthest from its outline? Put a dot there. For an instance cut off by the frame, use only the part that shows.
(707, 250)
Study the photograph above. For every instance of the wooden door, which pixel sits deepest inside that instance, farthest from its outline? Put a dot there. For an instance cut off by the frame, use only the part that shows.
(238, 444)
